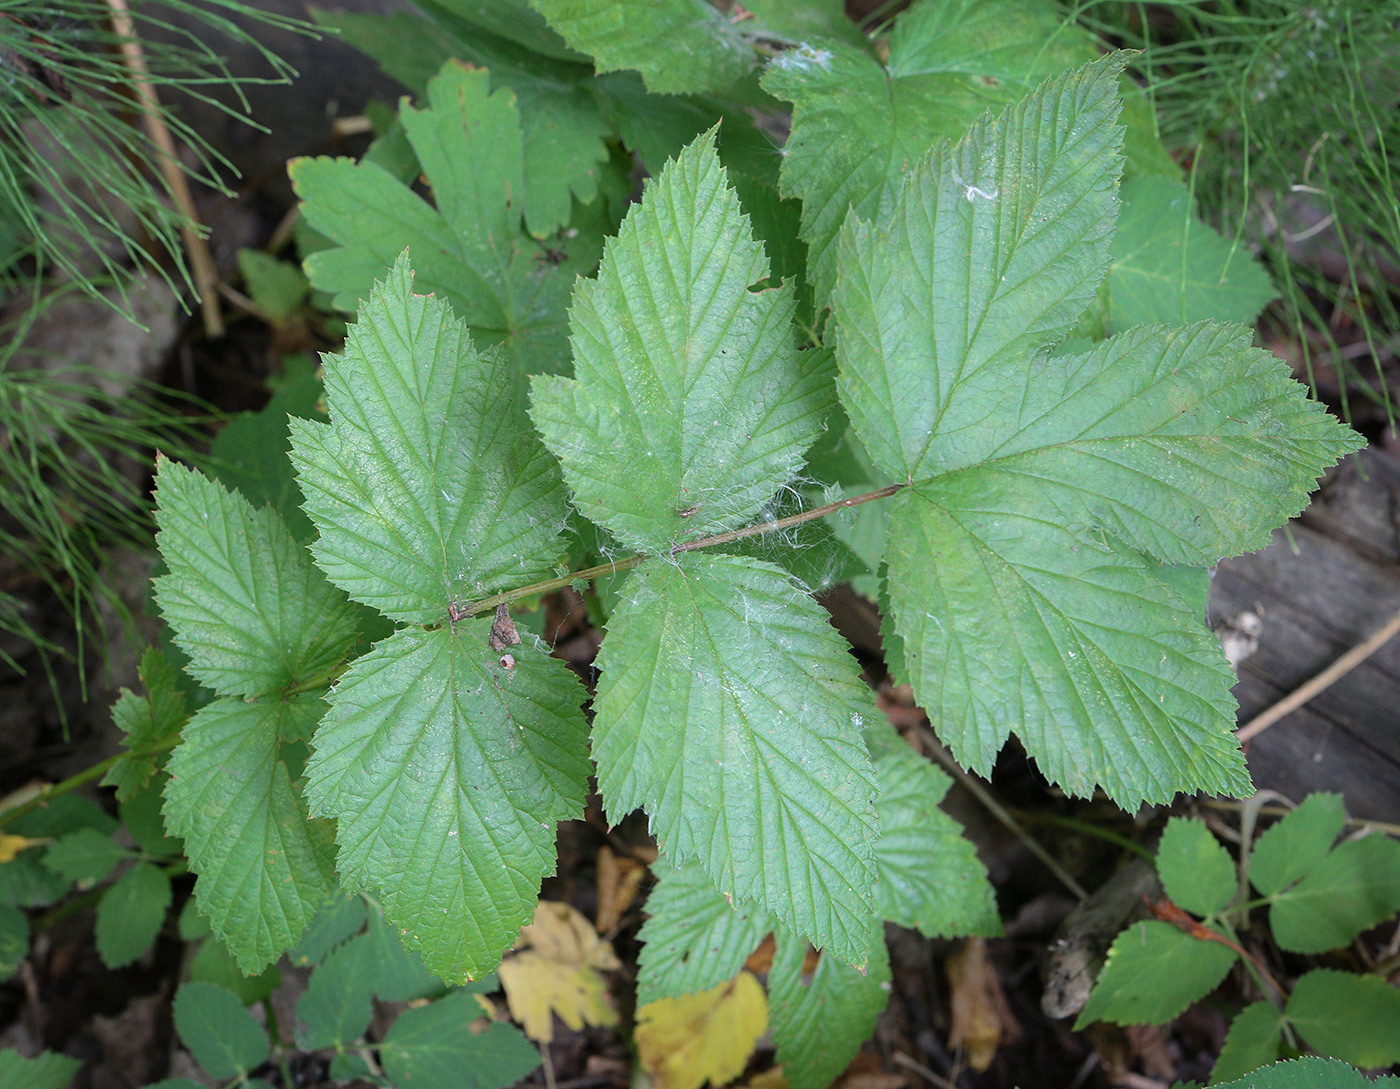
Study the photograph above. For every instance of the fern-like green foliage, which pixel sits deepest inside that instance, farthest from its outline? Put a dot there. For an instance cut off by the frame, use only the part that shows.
(1049, 501)
(67, 438)
(1288, 113)
(79, 184)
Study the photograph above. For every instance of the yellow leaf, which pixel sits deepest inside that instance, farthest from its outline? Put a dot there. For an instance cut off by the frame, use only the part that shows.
(982, 1018)
(684, 1042)
(10, 846)
(559, 973)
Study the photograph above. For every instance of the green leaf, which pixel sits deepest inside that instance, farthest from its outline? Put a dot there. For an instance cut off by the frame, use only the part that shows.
(1196, 871)
(131, 914)
(694, 938)
(249, 454)
(446, 767)
(990, 252)
(1170, 267)
(1153, 972)
(141, 815)
(85, 856)
(1355, 887)
(47, 1070)
(1183, 444)
(1022, 624)
(24, 880)
(277, 288)
(730, 709)
(338, 918)
(399, 974)
(1346, 1016)
(151, 724)
(242, 598)
(563, 131)
(335, 1010)
(692, 404)
(819, 1023)
(470, 249)
(928, 874)
(858, 128)
(1187, 444)
(426, 488)
(1293, 847)
(220, 1033)
(807, 19)
(263, 866)
(679, 46)
(433, 1047)
(213, 963)
(1311, 1073)
(1252, 1042)
(512, 20)
(14, 941)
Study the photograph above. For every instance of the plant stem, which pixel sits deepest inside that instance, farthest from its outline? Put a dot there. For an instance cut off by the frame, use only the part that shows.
(48, 793)
(486, 604)
(53, 790)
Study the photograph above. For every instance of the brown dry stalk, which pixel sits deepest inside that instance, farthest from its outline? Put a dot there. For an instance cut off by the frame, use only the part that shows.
(206, 275)
(1329, 676)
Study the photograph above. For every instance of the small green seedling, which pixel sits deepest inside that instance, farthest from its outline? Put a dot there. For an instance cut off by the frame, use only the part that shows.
(1319, 895)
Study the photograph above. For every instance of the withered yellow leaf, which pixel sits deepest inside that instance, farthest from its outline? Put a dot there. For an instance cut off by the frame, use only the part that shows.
(559, 973)
(982, 1018)
(684, 1042)
(10, 846)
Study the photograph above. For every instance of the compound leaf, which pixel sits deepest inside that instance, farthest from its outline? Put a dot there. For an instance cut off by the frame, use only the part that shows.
(242, 599)
(471, 248)
(1040, 483)
(446, 766)
(692, 404)
(1297, 843)
(131, 914)
(437, 1047)
(1168, 266)
(730, 709)
(426, 486)
(1356, 886)
(928, 875)
(820, 1021)
(1153, 972)
(264, 867)
(859, 128)
(694, 938)
(1196, 871)
(679, 46)
(1347, 1016)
